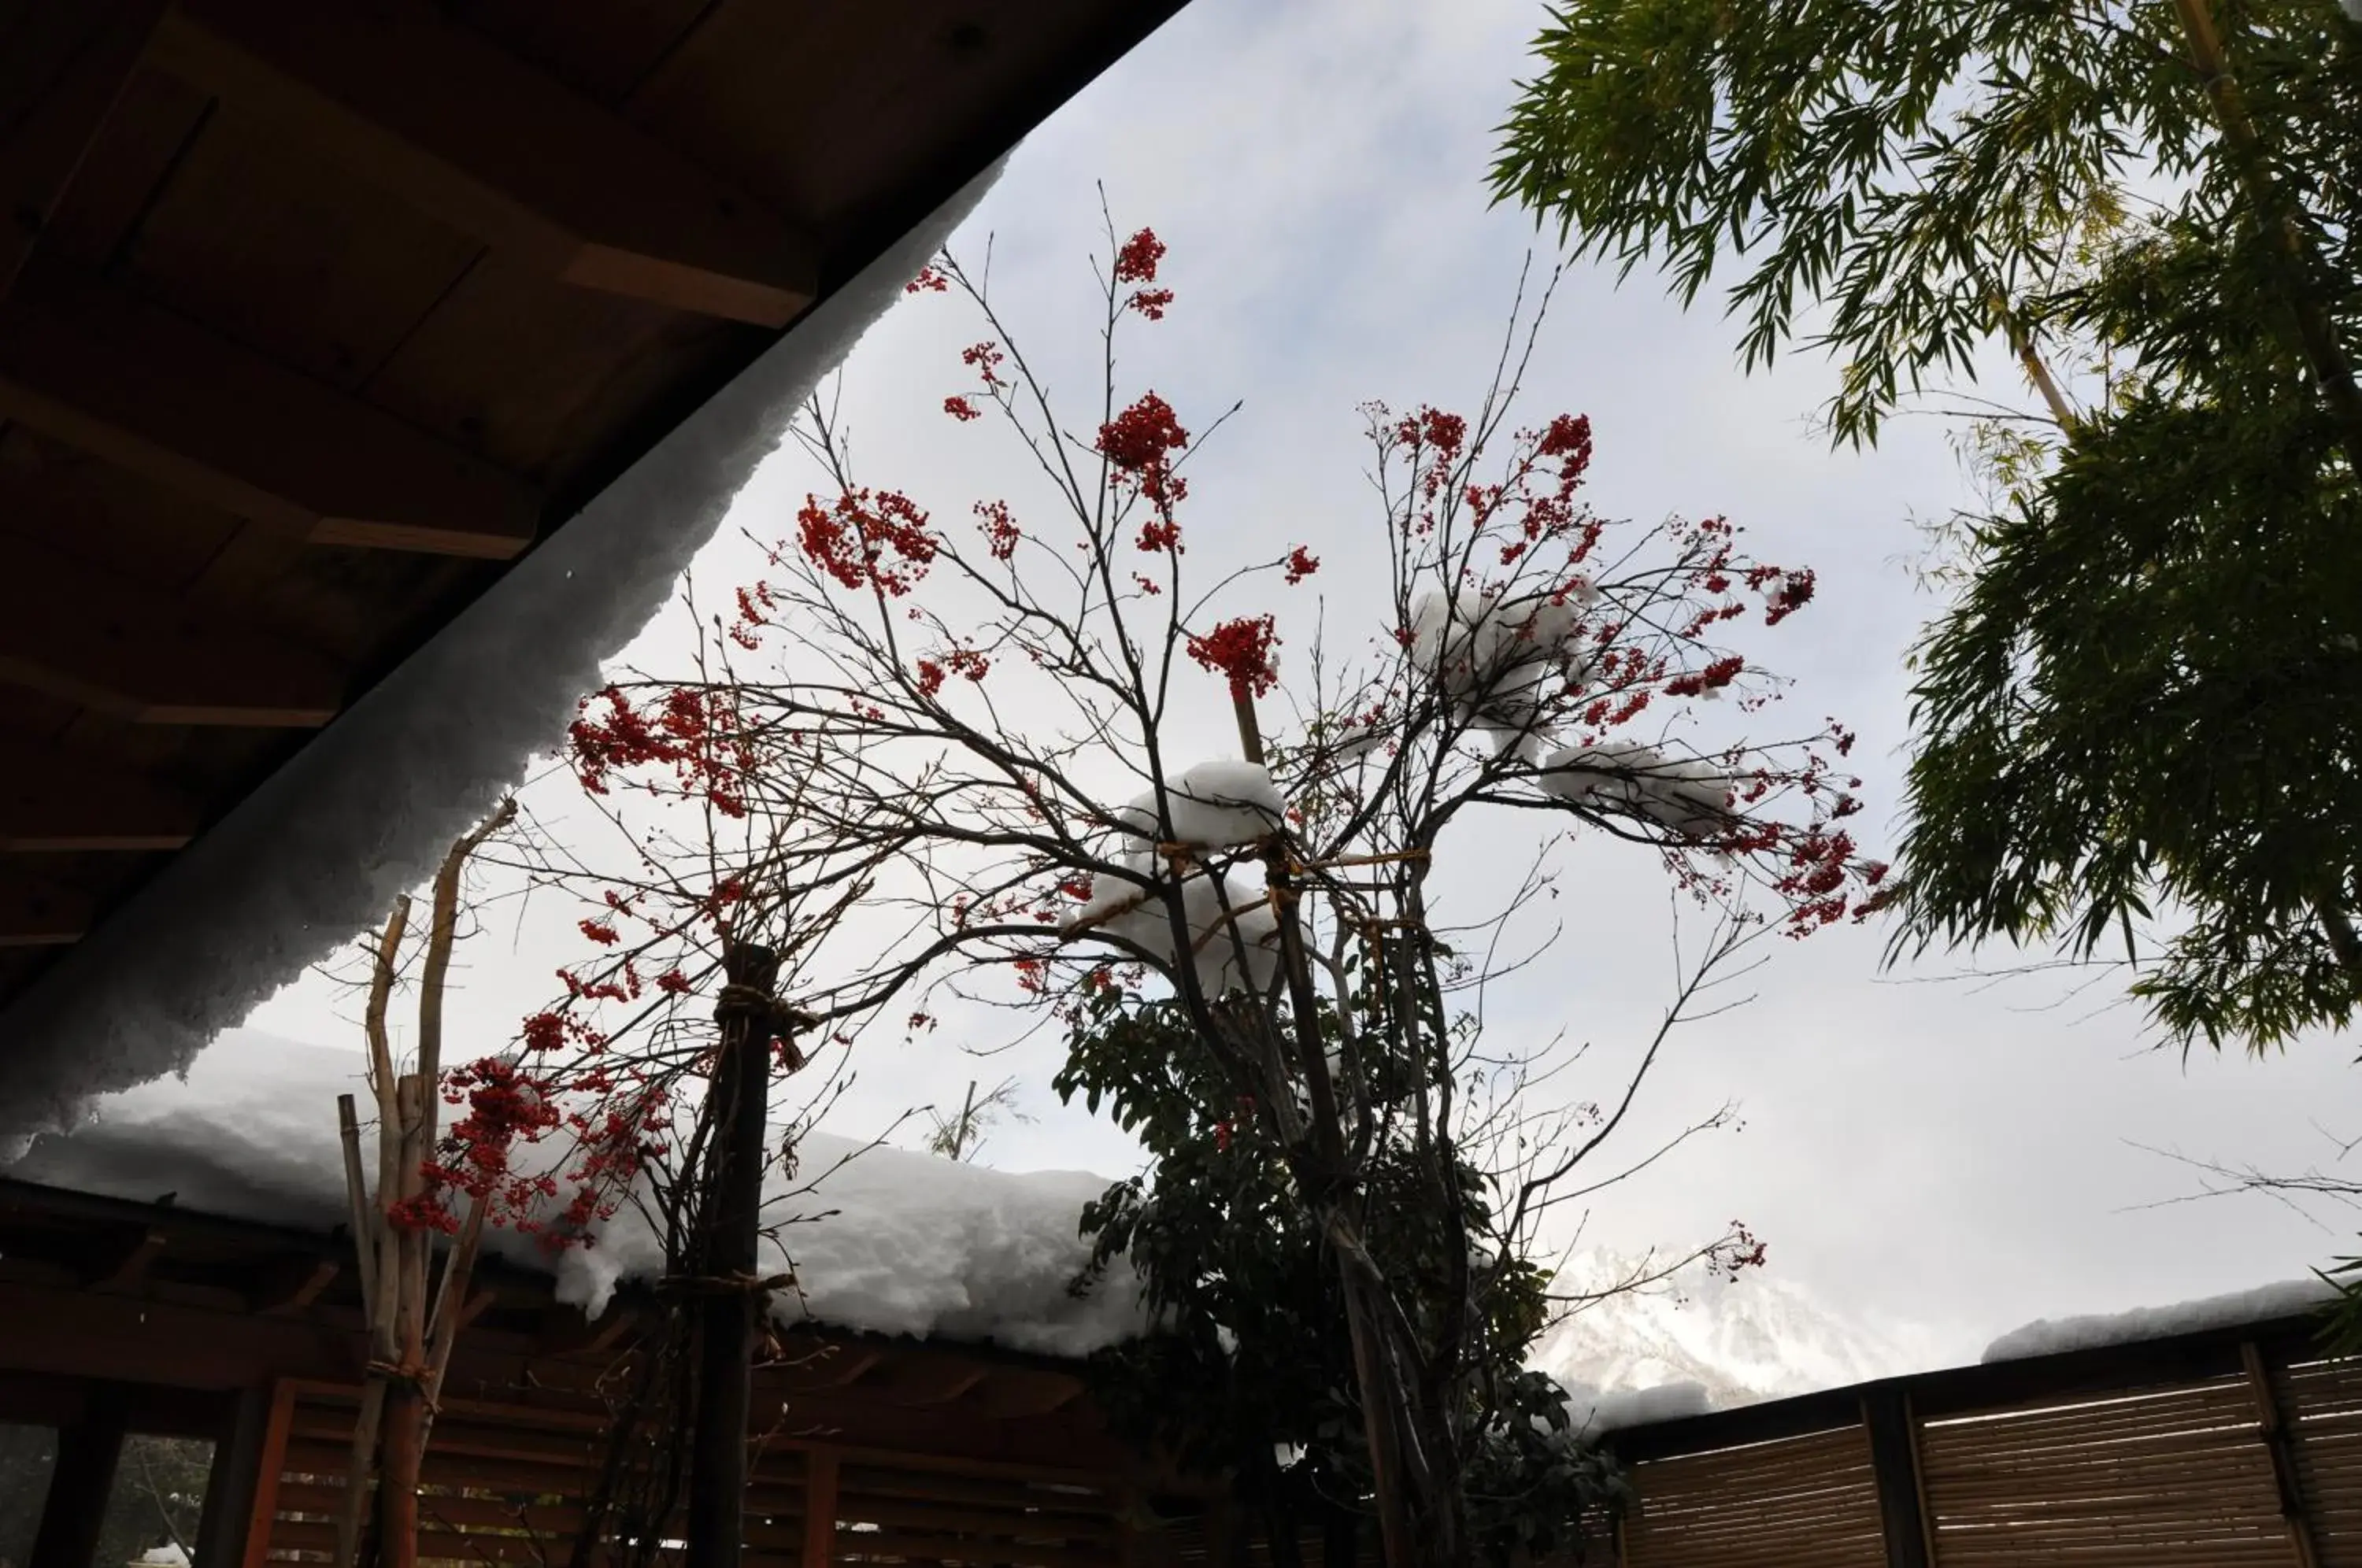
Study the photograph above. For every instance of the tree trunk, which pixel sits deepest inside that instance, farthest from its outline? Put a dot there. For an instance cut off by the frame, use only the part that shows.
(729, 1301)
(1385, 1398)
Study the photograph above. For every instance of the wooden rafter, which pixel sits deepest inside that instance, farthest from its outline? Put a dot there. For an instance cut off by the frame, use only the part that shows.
(922, 1380)
(60, 74)
(291, 1289)
(1015, 1392)
(496, 150)
(80, 633)
(564, 1332)
(127, 1265)
(55, 801)
(96, 367)
(35, 912)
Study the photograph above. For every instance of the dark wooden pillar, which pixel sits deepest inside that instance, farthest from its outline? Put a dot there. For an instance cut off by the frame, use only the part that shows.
(1895, 1461)
(229, 1486)
(75, 1510)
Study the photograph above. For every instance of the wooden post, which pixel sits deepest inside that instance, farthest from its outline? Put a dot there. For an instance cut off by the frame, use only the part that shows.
(1893, 1463)
(230, 1483)
(2273, 1430)
(819, 1508)
(725, 1269)
(75, 1509)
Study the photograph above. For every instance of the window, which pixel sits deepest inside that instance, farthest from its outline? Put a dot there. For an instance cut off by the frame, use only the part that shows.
(154, 1505)
(28, 1454)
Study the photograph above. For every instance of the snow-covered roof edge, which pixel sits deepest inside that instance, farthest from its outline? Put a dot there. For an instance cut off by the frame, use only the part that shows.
(366, 809)
(2052, 1336)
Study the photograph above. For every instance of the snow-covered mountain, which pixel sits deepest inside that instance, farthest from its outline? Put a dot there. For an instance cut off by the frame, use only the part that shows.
(1738, 1341)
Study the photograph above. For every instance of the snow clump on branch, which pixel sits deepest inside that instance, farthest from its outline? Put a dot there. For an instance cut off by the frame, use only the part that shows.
(1688, 794)
(1232, 931)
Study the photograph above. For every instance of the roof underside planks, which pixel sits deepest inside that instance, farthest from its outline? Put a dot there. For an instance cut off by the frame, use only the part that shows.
(296, 359)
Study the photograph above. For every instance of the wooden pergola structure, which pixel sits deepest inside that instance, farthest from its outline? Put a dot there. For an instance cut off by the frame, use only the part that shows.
(317, 316)
(124, 1317)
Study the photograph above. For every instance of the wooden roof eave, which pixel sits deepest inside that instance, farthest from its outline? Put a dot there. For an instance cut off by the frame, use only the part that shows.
(386, 786)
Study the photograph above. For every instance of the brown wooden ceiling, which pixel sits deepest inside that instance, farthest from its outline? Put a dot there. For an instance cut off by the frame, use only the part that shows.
(317, 314)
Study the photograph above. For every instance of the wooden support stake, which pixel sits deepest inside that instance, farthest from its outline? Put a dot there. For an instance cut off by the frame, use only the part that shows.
(726, 1265)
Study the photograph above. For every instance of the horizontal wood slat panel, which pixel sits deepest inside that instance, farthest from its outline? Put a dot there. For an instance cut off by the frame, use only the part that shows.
(898, 1514)
(2322, 1401)
(507, 1484)
(2164, 1477)
(1806, 1502)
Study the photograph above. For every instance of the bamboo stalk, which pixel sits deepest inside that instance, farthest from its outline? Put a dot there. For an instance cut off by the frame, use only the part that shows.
(2316, 335)
(349, 1130)
(402, 1445)
(2035, 370)
(449, 1302)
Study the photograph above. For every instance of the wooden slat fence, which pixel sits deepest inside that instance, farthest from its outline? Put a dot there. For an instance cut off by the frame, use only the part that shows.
(507, 1484)
(2230, 1449)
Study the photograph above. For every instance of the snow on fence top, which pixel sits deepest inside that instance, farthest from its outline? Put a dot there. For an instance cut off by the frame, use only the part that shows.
(889, 1241)
(2050, 1336)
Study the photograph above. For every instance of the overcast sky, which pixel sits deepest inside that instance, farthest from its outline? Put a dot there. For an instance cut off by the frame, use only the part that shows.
(1941, 1160)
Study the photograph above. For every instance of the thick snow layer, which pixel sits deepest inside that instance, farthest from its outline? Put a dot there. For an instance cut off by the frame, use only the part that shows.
(2049, 1336)
(366, 809)
(1596, 1412)
(888, 1240)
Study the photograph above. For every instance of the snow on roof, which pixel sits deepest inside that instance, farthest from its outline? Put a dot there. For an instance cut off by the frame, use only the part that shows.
(2050, 1336)
(365, 811)
(890, 1242)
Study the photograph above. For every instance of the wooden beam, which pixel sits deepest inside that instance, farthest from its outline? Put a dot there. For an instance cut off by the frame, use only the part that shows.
(295, 1288)
(55, 801)
(565, 1333)
(35, 912)
(438, 117)
(100, 369)
(1017, 1391)
(923, 1379)
(128, 1265)
(828, 1365)
(80, 634)
(64, 68)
